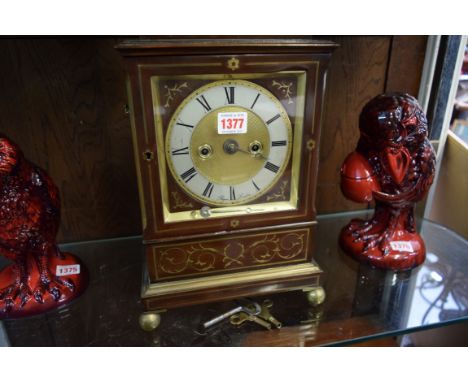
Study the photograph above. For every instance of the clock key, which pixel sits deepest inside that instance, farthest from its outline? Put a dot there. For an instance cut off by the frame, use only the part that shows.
(221, 317)
(253, 309)
(241, 317)
(267, 316)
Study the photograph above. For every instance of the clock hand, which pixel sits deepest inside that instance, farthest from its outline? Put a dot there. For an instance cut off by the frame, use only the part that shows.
(231, 146)
(256, 155)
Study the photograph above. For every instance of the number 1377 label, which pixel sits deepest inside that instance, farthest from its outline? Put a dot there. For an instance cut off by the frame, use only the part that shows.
(232, 123)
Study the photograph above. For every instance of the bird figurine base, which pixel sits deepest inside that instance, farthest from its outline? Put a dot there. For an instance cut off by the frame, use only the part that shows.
(36, 294)
(393, 165)
(384, 241)
(41, 277)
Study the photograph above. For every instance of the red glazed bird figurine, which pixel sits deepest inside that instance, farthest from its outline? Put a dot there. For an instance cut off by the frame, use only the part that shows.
(394, 165)
(41, 277)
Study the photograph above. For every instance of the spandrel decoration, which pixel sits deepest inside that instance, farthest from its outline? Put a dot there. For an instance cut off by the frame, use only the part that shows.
(41, 277)
(393, 165)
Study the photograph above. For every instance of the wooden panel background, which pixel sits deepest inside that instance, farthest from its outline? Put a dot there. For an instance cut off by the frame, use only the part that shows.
(62, 101)
(360, 69)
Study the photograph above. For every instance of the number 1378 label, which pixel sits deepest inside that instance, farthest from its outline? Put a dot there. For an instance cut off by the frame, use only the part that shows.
(232, 123)
(403, 246)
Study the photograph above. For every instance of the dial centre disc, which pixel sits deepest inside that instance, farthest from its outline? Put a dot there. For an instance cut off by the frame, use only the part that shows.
(230, 146)
(231, 161)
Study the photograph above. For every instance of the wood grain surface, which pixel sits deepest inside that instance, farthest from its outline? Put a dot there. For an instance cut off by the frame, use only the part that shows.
(62, 101)
(405, 64)
(357, 74)
(360, 69)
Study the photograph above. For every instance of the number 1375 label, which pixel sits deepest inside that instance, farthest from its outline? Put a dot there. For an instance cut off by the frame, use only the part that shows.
(66, 270)
(232, 123)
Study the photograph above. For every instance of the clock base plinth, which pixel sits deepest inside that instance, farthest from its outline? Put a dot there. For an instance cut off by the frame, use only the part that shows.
(173, 294)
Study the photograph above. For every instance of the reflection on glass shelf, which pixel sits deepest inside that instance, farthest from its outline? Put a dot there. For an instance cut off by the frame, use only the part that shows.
(441, 293)
(3, 336)
(433, 294)
(362, 302)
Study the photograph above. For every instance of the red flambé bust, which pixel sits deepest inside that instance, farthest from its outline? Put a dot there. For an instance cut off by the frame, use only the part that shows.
(393, 165)
(41, 277)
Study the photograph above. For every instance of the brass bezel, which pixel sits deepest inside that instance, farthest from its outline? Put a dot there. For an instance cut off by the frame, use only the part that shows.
(203, 126)
(239, 210)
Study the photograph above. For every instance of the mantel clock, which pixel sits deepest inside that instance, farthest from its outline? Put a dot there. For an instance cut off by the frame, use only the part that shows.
(226, 135)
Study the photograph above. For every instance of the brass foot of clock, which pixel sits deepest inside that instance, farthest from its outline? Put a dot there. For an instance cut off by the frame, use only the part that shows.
(150, 321)
(315, 295)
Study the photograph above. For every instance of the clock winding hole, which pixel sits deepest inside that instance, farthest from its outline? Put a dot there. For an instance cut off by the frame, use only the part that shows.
(205, 151)
(255, 147)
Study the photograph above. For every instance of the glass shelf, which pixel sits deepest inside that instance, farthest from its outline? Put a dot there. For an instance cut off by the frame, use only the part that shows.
(362, 302)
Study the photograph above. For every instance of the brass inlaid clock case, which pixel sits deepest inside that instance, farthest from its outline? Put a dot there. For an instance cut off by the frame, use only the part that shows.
(226, 215)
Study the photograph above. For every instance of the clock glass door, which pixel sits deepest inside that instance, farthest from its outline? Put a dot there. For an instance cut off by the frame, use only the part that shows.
(228, 142)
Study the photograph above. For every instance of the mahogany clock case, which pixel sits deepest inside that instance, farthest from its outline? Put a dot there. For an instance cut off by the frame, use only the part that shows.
(181, 245)
(171, 60)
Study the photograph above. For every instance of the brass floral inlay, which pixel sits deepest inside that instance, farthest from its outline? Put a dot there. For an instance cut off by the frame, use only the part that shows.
(310, 144)
(179, 202)
(285, 89)
(234, 223)
(292, 245)
(233, 254)
(233, 63)
(198, 257)
(263, 251)
(171, 92)
(281, 193)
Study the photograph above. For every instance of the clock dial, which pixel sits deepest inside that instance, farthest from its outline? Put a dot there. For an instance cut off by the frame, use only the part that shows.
(219, 168)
